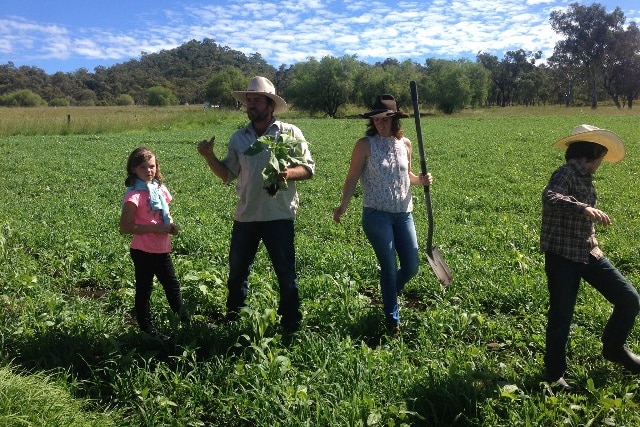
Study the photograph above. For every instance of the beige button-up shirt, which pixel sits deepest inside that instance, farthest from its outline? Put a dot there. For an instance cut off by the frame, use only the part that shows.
(255, 203)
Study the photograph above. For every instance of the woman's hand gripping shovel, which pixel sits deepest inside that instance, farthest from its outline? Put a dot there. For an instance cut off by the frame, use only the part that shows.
(438, 264)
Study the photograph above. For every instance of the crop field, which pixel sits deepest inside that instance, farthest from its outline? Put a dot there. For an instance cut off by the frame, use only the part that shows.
(469, 355)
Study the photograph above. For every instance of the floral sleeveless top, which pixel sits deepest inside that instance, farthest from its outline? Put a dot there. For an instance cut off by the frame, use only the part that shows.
(385, 178)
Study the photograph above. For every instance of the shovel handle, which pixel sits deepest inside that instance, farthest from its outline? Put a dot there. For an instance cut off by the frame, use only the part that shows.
(423, 163)
(416, 114)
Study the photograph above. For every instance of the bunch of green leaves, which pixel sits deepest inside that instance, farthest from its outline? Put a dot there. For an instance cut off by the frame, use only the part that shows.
(284, 151)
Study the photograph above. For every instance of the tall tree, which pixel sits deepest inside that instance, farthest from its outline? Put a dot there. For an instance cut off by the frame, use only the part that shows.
(220, 87)
(322, 86)
(587, 31)
(389, 76)
(496, 90)
(449, 83)
(507, 74)
(566, 77)
(622, 66)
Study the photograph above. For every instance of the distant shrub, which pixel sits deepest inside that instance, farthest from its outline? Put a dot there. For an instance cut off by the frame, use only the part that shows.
(124, 99)
(22, 98)
(59, 102)
(159, 96)
(86, 98)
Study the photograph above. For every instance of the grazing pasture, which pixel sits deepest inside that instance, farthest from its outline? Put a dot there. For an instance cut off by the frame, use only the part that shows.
(469, 355)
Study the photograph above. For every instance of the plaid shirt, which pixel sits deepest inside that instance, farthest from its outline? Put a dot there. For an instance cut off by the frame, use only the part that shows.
(566, 230)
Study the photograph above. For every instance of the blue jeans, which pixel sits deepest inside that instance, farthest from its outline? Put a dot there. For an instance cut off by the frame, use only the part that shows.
(563, 280)
(391, 233)
(278, 239)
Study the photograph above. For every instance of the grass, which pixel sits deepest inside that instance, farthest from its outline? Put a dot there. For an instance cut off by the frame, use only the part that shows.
(37, 400)
(469, 355)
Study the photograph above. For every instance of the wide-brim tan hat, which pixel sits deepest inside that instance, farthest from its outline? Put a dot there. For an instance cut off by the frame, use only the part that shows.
(262, 86)
(384, 106)
(606, 138)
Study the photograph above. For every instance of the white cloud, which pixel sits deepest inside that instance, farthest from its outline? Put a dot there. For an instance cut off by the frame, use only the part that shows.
(289, 31)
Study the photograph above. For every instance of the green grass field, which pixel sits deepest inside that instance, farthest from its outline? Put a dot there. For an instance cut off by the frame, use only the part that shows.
(469, 355)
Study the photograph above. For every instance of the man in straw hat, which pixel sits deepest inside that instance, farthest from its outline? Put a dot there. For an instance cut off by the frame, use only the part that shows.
(258, 215)
(572, 253)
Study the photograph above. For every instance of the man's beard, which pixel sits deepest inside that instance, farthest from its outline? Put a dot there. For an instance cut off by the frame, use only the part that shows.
(256, 115)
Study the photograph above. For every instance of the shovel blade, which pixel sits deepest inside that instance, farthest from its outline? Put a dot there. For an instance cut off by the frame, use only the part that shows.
(439, 267)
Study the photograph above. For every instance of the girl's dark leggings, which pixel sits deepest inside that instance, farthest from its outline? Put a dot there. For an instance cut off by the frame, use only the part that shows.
(147, 265)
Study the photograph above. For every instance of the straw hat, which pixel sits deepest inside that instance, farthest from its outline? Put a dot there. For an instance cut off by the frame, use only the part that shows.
(384, 106)
(606, 138)
(262, 86)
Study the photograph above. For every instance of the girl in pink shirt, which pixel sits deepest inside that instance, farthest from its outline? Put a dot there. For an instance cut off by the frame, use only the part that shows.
(145, 215)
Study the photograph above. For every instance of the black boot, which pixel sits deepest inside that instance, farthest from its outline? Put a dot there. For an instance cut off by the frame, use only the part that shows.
(624, 357)
(150, 330)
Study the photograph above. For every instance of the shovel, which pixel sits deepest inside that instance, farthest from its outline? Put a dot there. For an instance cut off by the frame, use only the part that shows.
(438, 264)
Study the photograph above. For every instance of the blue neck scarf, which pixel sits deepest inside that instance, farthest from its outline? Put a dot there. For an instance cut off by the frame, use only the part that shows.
(158, 201)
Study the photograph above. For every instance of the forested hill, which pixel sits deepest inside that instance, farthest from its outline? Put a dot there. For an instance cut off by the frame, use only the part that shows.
(184, 70)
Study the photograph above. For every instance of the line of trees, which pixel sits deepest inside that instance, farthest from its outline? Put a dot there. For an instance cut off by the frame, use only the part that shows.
(598, 58)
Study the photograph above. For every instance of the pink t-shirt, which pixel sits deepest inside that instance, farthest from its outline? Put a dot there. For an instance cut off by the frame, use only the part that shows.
(156, 243)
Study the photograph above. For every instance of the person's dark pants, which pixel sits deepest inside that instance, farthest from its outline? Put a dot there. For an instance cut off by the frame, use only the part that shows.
(563, 280)
(148, 265)
(278, 239)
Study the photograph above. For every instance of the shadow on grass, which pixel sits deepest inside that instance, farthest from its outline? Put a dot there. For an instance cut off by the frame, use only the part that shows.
(447, 401)
(80, 352)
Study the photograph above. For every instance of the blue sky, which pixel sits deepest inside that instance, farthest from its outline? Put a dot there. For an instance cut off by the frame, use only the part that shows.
(72, 34)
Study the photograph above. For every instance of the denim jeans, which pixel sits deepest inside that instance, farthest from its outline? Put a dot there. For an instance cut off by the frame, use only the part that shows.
(278, 239)
(146, 266)
(391, 233)
(563, 280)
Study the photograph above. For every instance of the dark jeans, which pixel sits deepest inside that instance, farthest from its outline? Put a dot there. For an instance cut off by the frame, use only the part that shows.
(146, 266)
(278, 239)
(563, 280)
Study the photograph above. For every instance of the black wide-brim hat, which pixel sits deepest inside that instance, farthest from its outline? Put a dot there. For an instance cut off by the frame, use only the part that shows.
(384, 106)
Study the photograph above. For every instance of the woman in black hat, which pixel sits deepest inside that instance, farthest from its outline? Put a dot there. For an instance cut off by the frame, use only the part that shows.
(382, 162)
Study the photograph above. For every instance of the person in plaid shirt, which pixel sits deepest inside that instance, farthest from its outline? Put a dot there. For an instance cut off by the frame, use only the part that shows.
(572, 253)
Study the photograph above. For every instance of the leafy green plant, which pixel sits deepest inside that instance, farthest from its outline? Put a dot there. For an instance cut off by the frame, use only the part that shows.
(284, 151)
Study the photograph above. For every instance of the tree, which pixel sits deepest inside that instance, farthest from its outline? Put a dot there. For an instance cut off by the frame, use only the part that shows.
(622, 66)
(86, 97)
(629, 79)
(59, 102)
(66, 84)
(496, 90)
(565, 75)
(536, 86)
(372, 81)
(390, 76)
(507, 74)
(322, 86)
(219, 89)
(22, 98)
(159, 96)
(124, 99)
(479, 78)
(587, 31)
(448, 85)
